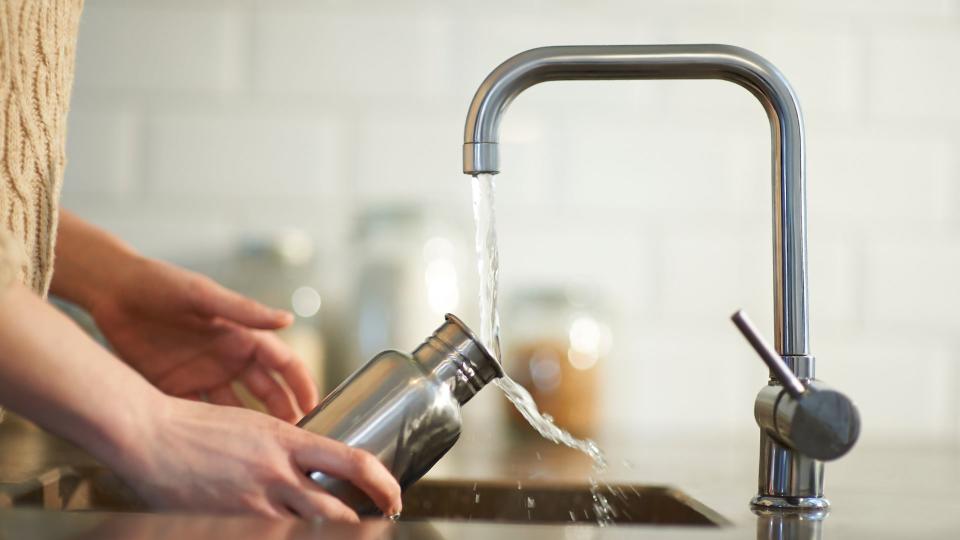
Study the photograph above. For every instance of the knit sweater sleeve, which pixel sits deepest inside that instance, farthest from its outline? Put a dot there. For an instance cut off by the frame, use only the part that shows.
(37, 49)
(12, 259)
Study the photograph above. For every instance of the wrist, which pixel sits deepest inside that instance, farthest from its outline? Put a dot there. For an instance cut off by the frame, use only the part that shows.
(106, 287)
(54, 374)
(124, 438)
(91, 264)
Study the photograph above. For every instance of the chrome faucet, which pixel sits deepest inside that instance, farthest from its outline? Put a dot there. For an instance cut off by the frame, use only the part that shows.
(804, 423)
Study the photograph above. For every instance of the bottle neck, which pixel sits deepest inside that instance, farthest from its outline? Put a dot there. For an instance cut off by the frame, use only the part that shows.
(454, 355)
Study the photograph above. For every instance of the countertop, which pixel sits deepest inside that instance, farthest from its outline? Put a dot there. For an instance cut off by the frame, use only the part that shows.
(876, 493)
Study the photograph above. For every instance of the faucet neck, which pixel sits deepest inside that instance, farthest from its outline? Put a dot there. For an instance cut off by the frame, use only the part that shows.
(734, 64)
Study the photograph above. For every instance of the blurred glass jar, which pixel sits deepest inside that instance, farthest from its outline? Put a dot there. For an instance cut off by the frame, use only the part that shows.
(410, 268)
(281, 271)
(557, 342)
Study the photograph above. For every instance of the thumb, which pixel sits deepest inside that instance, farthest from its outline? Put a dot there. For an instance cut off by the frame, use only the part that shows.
(213, 300)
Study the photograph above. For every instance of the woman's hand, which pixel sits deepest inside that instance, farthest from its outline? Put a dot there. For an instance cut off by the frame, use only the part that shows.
(190, 337)
(176, 453)
(187, 335)
(223, 459)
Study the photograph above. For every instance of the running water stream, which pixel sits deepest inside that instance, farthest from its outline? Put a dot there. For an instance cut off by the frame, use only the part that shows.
(489, 267)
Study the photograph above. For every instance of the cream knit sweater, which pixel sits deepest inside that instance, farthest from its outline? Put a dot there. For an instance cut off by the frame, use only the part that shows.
(37, 44)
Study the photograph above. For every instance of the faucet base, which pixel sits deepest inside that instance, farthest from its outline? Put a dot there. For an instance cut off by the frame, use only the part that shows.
(788, 479)
(789, 503)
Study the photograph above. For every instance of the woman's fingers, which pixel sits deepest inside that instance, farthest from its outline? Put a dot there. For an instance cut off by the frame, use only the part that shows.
(278, 400)
(310, 502)
(212, 300)
(224, 395)
(359, 467)
(274, 354)
(268, 509)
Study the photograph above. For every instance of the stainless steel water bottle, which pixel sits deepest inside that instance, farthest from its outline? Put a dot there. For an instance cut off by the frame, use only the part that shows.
(403, 408)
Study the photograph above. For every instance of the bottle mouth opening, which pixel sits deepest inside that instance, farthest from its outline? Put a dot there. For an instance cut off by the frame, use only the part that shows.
(491, 361)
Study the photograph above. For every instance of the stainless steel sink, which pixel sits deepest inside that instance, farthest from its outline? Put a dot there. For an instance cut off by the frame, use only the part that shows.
(96, 489)
(552, 503)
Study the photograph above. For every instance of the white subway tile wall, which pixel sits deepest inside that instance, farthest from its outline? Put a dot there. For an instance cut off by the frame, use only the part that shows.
(198, 122)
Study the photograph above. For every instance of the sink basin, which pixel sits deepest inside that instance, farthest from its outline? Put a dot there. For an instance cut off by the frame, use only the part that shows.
(552, 503)
(97, 489)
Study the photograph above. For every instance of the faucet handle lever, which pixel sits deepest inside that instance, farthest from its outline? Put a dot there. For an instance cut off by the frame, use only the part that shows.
(767, 353)
(815, 420)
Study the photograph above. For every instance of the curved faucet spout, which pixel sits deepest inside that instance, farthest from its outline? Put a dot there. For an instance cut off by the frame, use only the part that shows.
(745, 68)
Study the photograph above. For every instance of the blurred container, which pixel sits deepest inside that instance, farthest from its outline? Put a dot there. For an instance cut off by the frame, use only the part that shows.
(281, 271)
(410, 269)
(557, 343)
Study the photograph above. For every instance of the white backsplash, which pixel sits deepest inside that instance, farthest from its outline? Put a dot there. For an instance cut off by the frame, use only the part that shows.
(195, 122)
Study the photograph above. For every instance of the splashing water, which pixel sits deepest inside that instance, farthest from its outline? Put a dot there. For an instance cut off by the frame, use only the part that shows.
(523, 401)
(489, 267)
(603, 511)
